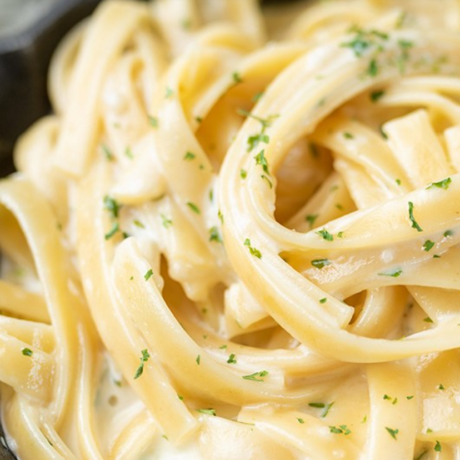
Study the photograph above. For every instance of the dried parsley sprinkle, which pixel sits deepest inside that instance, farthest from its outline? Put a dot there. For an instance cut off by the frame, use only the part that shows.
(193, 207)
(231, 359)
(325, 235)
(198, 359)
(348, 135)
(207, 411)
(441, 387)
(153, 121)
(323, 300)
(27, 352)
(409, 397)
(236, 78)
(438, 447)
(341, 429)
(427, 320)
(107, 152)
(139, 224)
(301, 420)
(412, 218)
(143, 359)
(393, 274)
(444, 184)
(257, 376)
(129, 153)
(393, 432)
(427, 245)
(165, 221)
(214, 235)
(269, 182)
(320, 263)
(189, 156)
(243, 173)
(115, 228)
(168, 92)
(112, 206)
(148, 275)
(310, 218)
(448, 233)
(376, 95)
(398, 181)
(261, 160)
(255, 252)
(257, 96)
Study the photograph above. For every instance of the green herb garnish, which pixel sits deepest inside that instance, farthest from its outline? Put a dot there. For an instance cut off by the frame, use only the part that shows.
(144, 358)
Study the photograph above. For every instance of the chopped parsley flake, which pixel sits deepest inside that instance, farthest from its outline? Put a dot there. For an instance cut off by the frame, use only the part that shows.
(165, 221)
(198, 119)
(189, 156)
(341, 429)
(320, 263)
(317, 405)
(412, 218)
(207, 411)
(257, 376)
(373, 68)
(323, 300)
(441, 387)
(107, 152)
(256, 139)
(27, 352)
(143, 359)
(325, 235)
(255, 252)
(220, 216)
(427, 245)
(148, 275)
(393, 433)
(444, 184)
(269, 182)
(448, 233)
(438, 447)
(169, 92)
(153, 121)
(301, 420)
(236, 78)
(112, 206)
(129, 153)
(340, 235)
(398, 181)
(231, 359)
(115, 228)
(243, 174)
(223, 347)
(364, 40)
(409, 397)
(261, 160)
(348, 135)
(193, 207)
(257, 96)
(139, 224)
(214, 235)
(393, 274)
(376, 95)
(310, 218)
(427, 320)
(198, 359)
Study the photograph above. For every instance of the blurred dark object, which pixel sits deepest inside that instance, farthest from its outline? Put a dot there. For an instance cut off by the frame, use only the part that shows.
(24, 59)
(29, 33)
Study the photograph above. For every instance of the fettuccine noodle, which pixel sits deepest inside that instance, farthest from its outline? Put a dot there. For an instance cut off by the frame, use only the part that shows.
(223, 247)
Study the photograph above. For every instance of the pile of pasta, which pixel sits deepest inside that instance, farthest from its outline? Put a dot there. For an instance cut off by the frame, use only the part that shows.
(222, 246)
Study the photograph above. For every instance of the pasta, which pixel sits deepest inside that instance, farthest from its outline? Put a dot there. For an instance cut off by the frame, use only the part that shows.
(224, 246)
